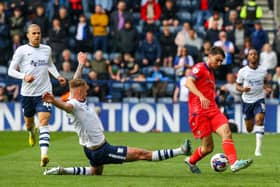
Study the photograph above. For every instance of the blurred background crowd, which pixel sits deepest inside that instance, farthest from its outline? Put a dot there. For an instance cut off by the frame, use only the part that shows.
(142, 49)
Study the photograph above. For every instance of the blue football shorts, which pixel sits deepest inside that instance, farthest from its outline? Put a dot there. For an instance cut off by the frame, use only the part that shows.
(32, 105)
(106, 154)
(251, 109)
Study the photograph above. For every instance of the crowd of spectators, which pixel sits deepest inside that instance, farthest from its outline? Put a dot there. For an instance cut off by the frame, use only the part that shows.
(141, 46)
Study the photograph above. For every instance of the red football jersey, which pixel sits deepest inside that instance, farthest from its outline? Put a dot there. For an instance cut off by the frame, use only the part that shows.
(205, 83)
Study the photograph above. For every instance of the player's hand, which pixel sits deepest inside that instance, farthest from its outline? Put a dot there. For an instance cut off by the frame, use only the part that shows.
(246, 89)
(204, 102)
(82, 58)
(48, 97)
(29, 78)
(61, 80)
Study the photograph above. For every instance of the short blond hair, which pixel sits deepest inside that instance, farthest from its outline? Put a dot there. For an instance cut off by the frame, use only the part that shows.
(77, 83)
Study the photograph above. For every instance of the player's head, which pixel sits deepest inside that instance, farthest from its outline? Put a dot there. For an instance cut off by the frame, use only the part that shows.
(34, 35)
(78, 88)
(215, 57)
(253, 58)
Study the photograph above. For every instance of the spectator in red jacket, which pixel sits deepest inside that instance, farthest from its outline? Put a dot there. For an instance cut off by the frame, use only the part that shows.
(150, 14)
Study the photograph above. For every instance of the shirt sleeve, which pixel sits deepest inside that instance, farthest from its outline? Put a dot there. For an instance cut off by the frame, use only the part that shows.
(52, 69)
(12, 71)
(73, 103)
(197, 72)
(240, 78)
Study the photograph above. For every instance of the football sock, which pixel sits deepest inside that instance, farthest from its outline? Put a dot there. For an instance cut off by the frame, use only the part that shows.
(166, 154)
(259, 130)
(44, 139)
(196, 156)
(77, 171)
(229, 150)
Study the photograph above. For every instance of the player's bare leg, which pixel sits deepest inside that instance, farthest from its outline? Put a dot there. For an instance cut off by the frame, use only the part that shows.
(229, 149)
(207, 146)
(249, 125)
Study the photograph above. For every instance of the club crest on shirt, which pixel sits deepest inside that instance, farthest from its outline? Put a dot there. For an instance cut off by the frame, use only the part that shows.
(195, 70)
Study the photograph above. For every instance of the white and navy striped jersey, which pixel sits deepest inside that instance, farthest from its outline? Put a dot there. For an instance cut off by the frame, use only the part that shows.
(35, 61)
(254, 78)
(86, 123)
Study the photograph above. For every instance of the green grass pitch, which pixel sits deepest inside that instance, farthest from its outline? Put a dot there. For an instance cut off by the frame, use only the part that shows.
(19, 163)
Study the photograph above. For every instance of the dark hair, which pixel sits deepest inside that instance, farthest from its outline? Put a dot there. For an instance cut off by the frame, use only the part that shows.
(217, 51)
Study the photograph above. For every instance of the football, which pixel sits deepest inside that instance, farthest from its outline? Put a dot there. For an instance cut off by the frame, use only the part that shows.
(219, 162)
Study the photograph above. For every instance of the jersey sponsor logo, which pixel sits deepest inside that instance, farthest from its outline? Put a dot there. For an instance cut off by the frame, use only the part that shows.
(38, 63)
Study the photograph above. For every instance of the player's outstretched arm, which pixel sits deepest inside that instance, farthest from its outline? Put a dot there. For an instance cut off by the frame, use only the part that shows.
(52, 69)
(49, 98)
(82, 59)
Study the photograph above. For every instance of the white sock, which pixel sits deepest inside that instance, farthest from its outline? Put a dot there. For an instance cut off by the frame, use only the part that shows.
(44, 140)
(77, 171)
(166, 154)
(259, 130)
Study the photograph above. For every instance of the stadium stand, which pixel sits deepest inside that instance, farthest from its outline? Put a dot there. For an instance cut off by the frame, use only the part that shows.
(186, 11)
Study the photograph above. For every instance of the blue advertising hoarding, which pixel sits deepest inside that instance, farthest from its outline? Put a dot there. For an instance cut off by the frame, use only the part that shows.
(132, 117)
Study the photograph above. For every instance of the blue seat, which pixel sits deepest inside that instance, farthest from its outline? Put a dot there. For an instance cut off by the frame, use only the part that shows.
(165, 100)
(116, 90)
(169, 72)
(130, 100)
(185, 5)
(3, 70)
(184, 16)
(136, 17)
(147, 100)
(170, 88)
(93, 99)
(3, 73)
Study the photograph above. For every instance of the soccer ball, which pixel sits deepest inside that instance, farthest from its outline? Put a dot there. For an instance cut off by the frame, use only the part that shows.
(219, 162)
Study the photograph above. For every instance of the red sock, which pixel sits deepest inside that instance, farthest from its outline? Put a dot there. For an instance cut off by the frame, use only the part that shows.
(196, 156)
(229, 150)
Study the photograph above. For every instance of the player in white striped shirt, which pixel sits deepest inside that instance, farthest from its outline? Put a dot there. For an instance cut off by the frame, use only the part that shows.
(90, 131)
(251, 83)
(32, 64)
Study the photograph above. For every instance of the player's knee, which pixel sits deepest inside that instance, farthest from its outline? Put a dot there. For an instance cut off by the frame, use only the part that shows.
(259, 122)
(143, 155)
(96, 171)
(249, 128)
(227, 134)
(44, 121)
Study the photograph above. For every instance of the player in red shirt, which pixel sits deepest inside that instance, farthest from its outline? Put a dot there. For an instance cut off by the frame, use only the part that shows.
(205, 116)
